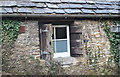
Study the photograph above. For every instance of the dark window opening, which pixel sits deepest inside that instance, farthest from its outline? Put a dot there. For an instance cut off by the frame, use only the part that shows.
(61, 33)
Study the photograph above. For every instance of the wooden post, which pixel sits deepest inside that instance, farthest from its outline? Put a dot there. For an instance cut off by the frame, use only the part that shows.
(45, 36)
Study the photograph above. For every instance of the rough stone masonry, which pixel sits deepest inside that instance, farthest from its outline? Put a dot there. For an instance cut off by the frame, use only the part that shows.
(28, 43)
(97, 39)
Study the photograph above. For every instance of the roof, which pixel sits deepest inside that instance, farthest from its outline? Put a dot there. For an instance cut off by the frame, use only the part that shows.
(59, 8)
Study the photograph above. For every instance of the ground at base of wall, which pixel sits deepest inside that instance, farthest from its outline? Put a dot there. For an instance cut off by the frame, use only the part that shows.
(83, 69)
(87, 70)
(80, 67)
(78, 70)
(64, 61)
(77, 67)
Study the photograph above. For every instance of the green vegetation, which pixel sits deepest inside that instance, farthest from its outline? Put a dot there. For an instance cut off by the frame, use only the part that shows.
(94, 55)
(22, 65)
(114, 39)
(9, 32)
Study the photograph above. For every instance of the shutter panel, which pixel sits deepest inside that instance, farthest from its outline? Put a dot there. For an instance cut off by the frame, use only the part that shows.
(76, 40)
(45, 41)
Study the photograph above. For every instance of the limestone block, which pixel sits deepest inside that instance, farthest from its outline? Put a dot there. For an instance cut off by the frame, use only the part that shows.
(66, 60)
(96, 34)
(36, 53)
(34, 47)
(28, 42)
(42, 62)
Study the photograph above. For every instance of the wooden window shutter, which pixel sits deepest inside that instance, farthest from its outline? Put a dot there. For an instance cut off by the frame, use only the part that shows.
(45, 41)
(76, 40)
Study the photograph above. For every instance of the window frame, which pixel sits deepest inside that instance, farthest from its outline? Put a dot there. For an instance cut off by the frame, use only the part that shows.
(67, 39)
(116, 28)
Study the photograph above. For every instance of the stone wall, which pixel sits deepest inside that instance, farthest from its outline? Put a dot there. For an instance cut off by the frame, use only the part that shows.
(28, 43)
(97, 39)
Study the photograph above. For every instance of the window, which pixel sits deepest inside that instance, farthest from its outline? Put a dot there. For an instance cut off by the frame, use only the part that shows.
(116, 28)
(60, 40)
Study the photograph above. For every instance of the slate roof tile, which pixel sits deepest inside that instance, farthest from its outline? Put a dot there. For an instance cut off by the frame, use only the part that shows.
(116, 3)
(15, 9)
(101, 11)
(77, 1)
(90, 2)
(51, 5)
(89, 6)
(107, 3)
(87, 11)
(72, 11)
(2, 11)
(8, 3)
(114, 11)
(115, 7)
(9, 10)
(67, 1)
(73, 1)
(38, 10)
(63, 6)
(40, 5)
(31, 4)
(50, 1)
(104, 6)
(54, 1)
(28, 4)
(75, 5)
(60, 7)
(59, 11)
(39, 0)
(24, 10)
(47, 10)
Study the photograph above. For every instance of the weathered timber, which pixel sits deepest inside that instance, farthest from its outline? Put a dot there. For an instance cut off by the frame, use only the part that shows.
(45, 35)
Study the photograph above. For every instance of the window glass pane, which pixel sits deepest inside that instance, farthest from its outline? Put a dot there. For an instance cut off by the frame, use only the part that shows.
(61, 46)
(61, 33)
(118, 28)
